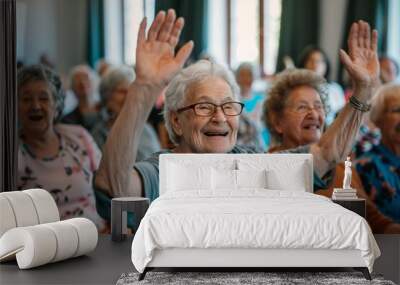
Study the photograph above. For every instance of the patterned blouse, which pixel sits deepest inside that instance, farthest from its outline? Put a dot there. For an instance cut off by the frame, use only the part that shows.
(367, 138)
(67, 176)
(379, 170)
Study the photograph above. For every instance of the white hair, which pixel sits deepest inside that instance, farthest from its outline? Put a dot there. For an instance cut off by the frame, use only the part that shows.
(112, 78)
(380, 98)
(248, 66)
(94, 79)
(177, 89)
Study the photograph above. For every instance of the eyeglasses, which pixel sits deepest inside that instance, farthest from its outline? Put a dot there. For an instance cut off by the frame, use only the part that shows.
(303, 109)
(395, 110)
(208, 109)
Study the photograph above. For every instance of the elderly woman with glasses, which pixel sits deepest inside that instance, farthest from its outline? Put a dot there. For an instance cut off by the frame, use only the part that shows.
(295, 109)
(56, 157)
(207, 88)
(295, 114)
(379, 168)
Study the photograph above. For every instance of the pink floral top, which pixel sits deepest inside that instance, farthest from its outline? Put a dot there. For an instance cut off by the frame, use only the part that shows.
(67, 176)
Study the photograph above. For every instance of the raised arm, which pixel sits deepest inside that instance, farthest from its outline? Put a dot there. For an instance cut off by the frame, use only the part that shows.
(361, 62)
(156, 64)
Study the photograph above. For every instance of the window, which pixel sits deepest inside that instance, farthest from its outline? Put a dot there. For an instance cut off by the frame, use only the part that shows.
(245, 32)
(112, 31)
(134, 11)
(217, 38)
(249, 27)
(393, 31)
(272, 26)
(239, 30)
(122, 20)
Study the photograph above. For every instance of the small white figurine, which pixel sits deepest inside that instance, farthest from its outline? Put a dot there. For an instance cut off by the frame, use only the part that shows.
(347, 174)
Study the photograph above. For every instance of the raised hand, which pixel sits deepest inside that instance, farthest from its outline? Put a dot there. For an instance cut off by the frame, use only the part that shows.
(361, 61)
(156, 62)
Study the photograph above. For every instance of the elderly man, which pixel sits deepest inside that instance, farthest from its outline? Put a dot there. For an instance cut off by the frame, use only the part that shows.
(202, 115)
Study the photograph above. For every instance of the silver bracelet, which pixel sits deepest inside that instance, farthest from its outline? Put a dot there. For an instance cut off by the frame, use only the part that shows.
(358, 105)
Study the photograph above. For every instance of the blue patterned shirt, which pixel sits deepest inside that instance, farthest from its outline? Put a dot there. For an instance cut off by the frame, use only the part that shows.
(379, 170)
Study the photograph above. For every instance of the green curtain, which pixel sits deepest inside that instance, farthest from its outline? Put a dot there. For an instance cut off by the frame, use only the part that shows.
(299, 28)
(376, 13)
(95, 31)
(195, 14)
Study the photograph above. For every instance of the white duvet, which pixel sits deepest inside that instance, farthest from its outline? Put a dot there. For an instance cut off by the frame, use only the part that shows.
(252, 218)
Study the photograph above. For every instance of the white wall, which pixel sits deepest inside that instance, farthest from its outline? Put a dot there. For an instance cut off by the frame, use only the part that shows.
(72, 31)
(333, 17)
(57, 28)
(39, 29)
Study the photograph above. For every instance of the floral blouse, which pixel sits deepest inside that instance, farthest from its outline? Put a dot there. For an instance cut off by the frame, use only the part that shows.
(379, 170)
(367, 138)
(67, 176)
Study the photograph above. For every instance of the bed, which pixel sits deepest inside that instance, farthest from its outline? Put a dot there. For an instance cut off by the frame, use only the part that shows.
(246, 211)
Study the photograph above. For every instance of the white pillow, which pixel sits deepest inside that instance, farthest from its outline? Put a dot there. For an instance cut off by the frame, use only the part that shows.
(292, 179)
(251, 178)
(224, 179)
(227, 179)
(188, 177)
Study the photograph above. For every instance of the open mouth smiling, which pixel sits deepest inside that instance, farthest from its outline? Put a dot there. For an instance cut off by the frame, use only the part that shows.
(35, 118)
(312, 126)
(216, 133)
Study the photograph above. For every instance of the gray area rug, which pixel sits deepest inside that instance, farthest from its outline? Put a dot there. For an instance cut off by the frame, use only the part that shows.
(225, 278)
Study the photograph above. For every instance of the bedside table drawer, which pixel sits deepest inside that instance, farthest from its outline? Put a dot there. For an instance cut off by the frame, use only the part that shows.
(357, 206)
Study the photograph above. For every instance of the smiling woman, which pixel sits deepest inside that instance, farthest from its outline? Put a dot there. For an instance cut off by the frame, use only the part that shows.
(56, 157)
(295, 114)
(379, 168)
(193, 126)
(295, 109)
(159, 67)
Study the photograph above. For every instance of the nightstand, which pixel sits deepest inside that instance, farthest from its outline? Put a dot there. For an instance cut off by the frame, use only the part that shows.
(119, 211)
(355, 205)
